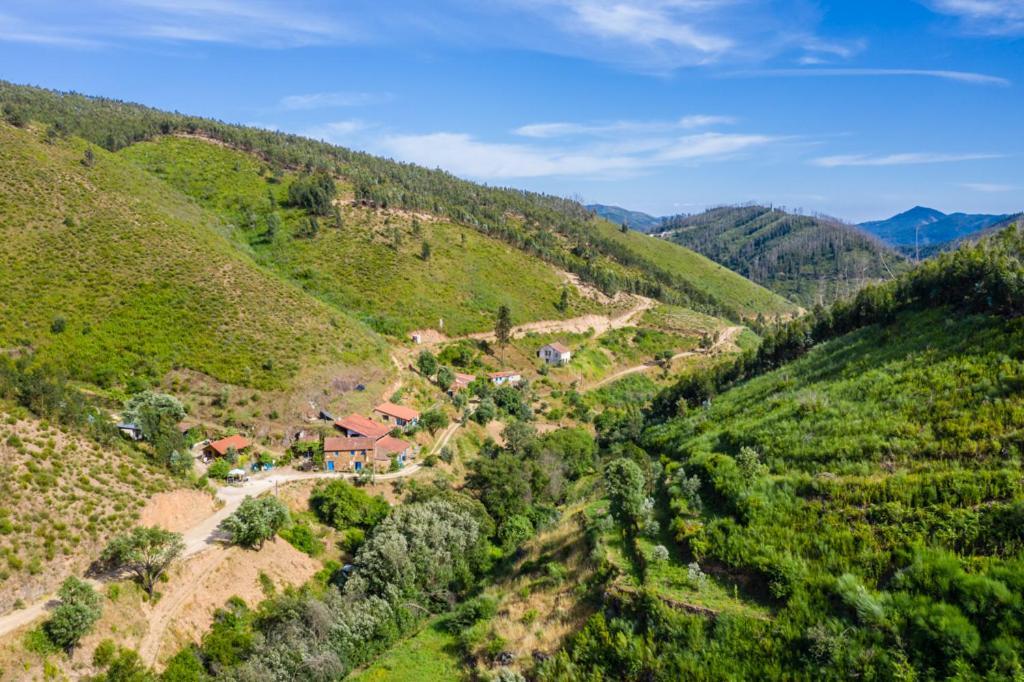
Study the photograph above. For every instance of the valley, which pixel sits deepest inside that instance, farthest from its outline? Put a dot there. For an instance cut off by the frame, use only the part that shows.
(274, 409)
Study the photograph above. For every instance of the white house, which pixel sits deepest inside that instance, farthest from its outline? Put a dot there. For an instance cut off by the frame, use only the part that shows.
(555, 354)
(502, 378)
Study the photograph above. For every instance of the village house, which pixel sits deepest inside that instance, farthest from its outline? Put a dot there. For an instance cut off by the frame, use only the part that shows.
(356, 425)
(184, 428)
(502, 378)
(220, 448)
(555, 354)
(461, 383)
(399, 415)
(355, 454)
(130, 430)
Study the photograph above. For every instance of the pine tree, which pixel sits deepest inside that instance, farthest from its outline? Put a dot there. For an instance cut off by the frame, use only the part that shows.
(503, 328)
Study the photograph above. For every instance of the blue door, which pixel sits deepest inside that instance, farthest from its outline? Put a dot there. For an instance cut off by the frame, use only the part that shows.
(359, 466)
(330, 465)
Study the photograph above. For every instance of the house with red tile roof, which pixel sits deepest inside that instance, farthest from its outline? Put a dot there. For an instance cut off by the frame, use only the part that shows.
(355, 454)
(356, 425)
(399, 415)
(220, 448)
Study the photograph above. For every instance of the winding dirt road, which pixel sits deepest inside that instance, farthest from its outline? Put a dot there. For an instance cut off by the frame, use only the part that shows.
(200, 537)
(726, 337)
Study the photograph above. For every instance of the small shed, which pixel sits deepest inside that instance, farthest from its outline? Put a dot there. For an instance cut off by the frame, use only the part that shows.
(130, 430)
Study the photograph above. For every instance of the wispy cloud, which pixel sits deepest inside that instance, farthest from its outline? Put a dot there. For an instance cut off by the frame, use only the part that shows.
(994, 17)
(468, 156)
(961, 76)
(562, 129)
(904, 159)
(988, 187)
(333, 100)
(338, 132)
(253, 23)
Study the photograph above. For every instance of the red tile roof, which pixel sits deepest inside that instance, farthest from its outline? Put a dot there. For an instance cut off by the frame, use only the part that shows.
(341, 444)
(391, 446)
(364, 426)
(397, 411)
(464, 379)
(222, 446)
(506, 375)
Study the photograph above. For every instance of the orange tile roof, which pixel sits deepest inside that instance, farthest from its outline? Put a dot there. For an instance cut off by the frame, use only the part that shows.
(397, 411)
(392, 446)
(342, 444)
(364, 426)
(237, 442)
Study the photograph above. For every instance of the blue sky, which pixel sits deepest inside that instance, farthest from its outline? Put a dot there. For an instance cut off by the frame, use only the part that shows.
(858, 109)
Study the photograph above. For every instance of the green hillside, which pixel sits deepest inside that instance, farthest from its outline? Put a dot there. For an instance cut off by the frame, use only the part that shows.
(373, 263)
(557, 230)
(854, 513)
(808, 259)
(715, 281)
(115, 276)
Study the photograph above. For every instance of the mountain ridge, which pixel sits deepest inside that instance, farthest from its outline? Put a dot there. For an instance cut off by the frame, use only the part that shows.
(922, 226)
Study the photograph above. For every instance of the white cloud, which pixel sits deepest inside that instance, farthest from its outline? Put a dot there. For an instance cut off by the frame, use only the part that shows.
(985, 16)
(333, 100)
(337, 132)
(905, 159)
(617, 128)
(987, 187)
(467, 156)
(961, 76)
(649, 23)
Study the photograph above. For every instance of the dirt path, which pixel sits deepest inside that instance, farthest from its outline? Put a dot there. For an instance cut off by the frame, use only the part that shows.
(202, 536)
(726, 337)
(601, 324)
(446, 436)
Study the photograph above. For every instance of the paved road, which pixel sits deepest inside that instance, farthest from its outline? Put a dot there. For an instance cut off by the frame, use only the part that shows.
(201, 536)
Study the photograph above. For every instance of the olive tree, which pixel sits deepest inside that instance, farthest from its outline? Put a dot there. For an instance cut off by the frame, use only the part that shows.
(145, 552)
(255, 521)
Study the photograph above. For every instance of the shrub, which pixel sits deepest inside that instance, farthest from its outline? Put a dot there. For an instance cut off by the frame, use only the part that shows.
(341, 505)
(255, 521)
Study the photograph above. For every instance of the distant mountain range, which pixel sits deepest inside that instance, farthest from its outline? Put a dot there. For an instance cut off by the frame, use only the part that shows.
(807, 259)
(928, 228)
(641, 222)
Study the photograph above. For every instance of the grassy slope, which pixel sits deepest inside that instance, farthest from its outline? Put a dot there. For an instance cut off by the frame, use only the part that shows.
(719, 282)
(356, 268)
(426, 656)
(62, 497)
(887, 439)
(143, 278)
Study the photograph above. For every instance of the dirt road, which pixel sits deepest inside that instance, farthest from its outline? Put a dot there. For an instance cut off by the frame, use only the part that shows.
(726, 337)
(202, 536)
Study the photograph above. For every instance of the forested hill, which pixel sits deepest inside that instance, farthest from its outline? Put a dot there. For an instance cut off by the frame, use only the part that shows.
(844, 502)
(808, 259)
(559, 231)
(635, 220)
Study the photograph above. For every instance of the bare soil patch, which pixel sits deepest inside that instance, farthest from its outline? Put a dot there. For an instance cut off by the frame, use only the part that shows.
(178, 510)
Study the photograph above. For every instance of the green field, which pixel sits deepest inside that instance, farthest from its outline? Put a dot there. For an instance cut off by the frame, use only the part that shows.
(425, 657)
(357, 267)
(116, 276)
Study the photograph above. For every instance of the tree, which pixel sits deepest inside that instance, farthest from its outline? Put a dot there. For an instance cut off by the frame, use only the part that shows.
(255, 521)
(425, 250)
(339, 222)
(341, 505)
(432, 420)
(89, 158)
(624, 483)
(426, 363)
(445, 378)
(154, 413)
(503, 328)
(146, 552)
(308, 229)
(485, 411)
(273, 226)
(563, 300)
(74, 617)
(624, 227)
(314, 192)
(15, 115)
